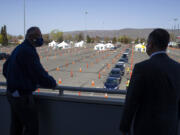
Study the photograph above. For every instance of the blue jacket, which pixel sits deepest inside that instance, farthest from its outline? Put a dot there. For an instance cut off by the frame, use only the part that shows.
(24, 72)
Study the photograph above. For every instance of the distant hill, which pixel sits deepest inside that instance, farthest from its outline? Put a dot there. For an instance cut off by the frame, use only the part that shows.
(133, 33)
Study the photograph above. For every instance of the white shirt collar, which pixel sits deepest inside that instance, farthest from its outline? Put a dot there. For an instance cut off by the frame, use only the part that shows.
(155, 53)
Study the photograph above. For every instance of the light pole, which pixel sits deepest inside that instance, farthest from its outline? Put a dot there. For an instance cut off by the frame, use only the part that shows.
(24, 18)
(85, 34)
(175, 20)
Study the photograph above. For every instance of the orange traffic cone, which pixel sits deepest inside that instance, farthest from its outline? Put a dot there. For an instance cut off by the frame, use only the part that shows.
(80, 70)
(92, 83)
(57, 69)
(96, 60)
(66, 64)
(104, 70)
(87, 65)
(60, 81)
(99, 75)
(71, 74)
(79, 93)
(105, 95)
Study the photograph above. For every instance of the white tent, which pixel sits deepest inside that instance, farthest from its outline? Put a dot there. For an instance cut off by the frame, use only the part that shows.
(52, 44)
(63, 45)
(172, 44)
(100, 47)
(79, 44)
(109, 45)
(140, 48)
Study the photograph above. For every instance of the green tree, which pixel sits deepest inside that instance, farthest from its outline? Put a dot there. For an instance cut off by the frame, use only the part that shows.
(88, 39)
(79, 37)
(20, 37)
(172, 37)
(9, 37)
(4, 36)
(56, 35)
(114, 40)
(124, 39)
(142, 40)
(93, 39)
(106, 39)
(46, 38)
(1, 39)
(68, 37)
(137, 40)
(97, 39)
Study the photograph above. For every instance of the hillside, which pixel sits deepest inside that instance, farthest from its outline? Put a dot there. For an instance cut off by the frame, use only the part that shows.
(133, 33)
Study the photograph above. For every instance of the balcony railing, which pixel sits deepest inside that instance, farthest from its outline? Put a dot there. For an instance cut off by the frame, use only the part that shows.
(61, 114)
(61, 89)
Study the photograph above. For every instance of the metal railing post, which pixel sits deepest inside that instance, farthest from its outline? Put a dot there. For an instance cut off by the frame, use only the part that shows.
(61, 92)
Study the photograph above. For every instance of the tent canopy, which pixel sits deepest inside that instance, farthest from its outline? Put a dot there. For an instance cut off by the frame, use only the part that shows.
(79, 44)
(139, 46)
(109, 45)
(53, 43)
(100, 47)
(63, 45)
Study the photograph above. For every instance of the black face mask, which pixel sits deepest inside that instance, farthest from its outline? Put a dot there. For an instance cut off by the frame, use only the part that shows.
(39, 41)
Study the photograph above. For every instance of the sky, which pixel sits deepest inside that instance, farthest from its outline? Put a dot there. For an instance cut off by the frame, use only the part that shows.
(71, 15)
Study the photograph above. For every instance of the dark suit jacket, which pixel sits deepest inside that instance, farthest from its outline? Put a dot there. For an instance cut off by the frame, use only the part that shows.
(23, 70)
(153, 97)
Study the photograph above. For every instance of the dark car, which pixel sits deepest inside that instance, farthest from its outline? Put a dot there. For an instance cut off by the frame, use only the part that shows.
(127, 50)
(125, 55)
(111, 83)
(4, 56)
(123, 60)
(116, 72)
(121, 67)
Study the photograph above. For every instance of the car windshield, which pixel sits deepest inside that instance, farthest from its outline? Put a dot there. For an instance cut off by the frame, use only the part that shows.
(124, 56)
(122, 59)
(112, 81)
(115, 72)
(119, 66)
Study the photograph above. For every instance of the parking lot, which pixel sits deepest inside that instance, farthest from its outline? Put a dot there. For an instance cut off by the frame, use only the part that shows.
(84, 67)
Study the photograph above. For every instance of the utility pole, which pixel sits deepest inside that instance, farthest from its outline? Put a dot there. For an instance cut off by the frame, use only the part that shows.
(175, 20)
(24, 18)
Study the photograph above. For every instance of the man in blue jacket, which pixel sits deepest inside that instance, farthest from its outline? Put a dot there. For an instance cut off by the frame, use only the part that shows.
(24, 72)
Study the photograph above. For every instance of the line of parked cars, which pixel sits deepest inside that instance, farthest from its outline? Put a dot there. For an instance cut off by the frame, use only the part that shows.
(115, 76)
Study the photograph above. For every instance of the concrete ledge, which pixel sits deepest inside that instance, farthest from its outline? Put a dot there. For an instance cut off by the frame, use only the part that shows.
(72, 98)
(70, 115)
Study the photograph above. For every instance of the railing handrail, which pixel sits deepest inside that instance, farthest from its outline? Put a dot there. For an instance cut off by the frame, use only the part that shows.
(81, 89)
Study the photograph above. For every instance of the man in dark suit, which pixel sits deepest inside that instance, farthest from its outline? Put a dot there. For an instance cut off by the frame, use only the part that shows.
(24, 72)
(152, 103)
